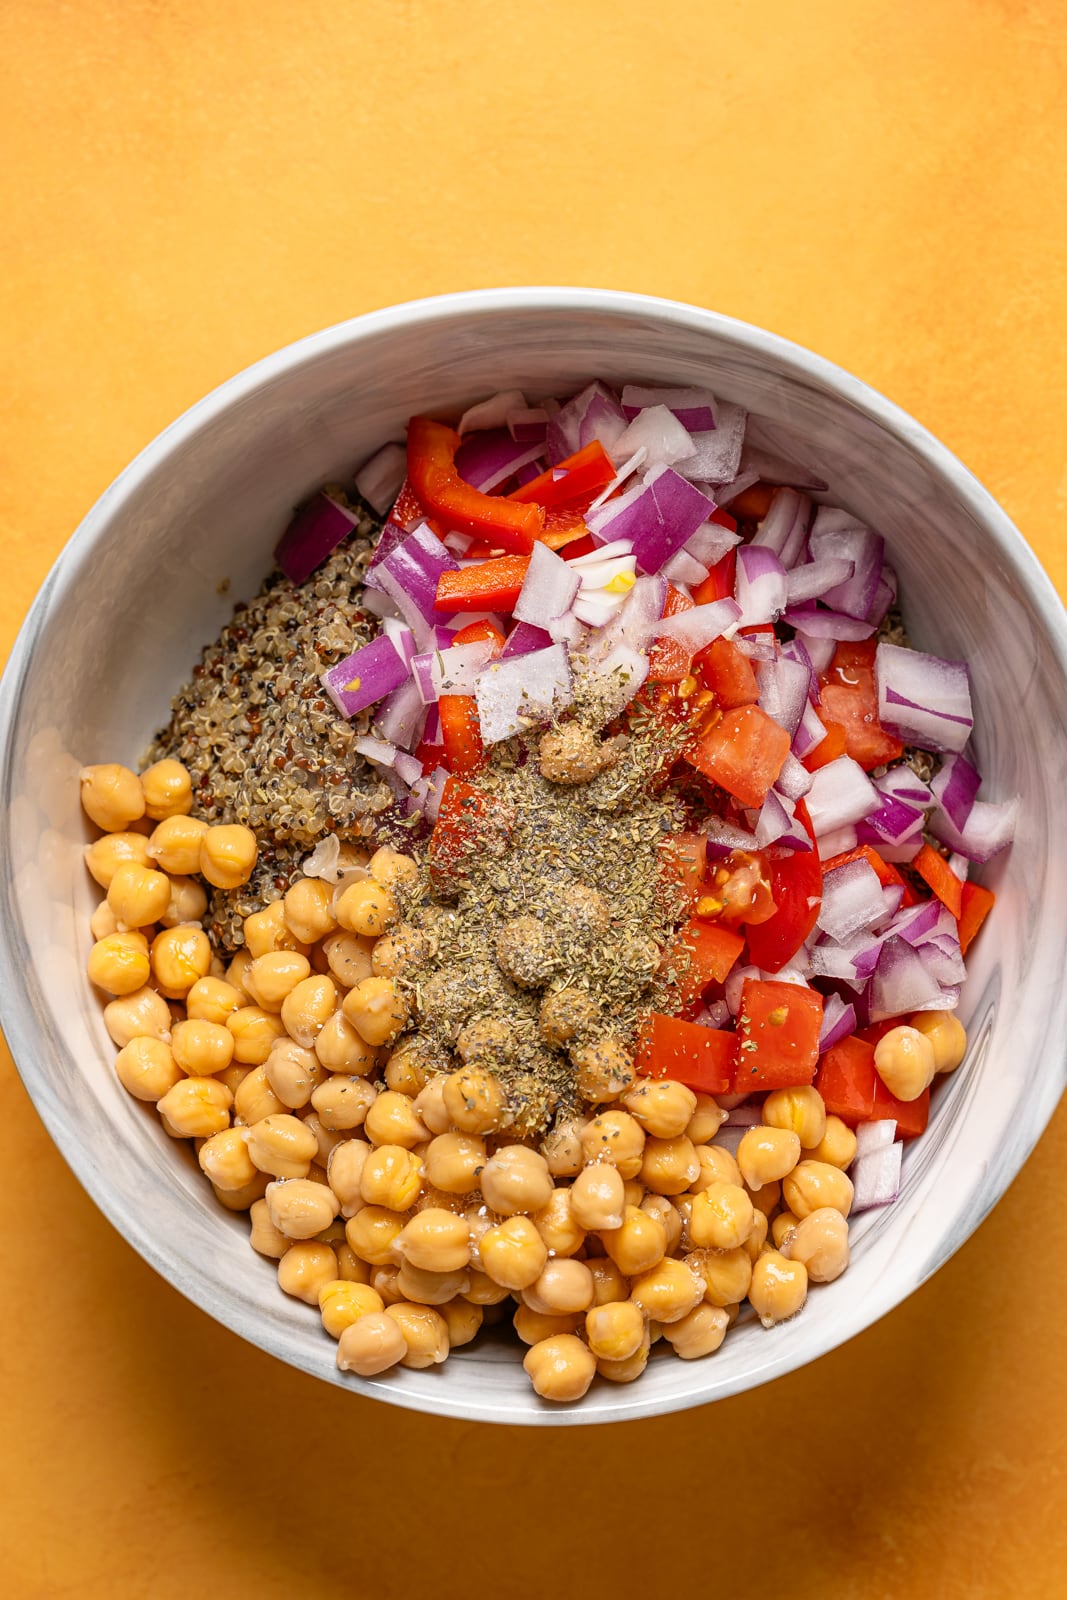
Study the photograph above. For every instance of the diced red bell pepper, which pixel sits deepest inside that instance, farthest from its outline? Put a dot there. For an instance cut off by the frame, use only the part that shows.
(827, 749)
(796, 888)
(724, 519)
(934, 870)
(465, 753)
(706, 951)
(468, 821)
(719, 583)
(849, 696)
(779, 1025)
(669, 659)
(728, 674)
(701, 1058)
(407, 507)
(977, 903)
(572, 484)
(683, 862)
(888, 876)
(743, 753)
(566, 530)
(454, 503)
(431, 755)
(753, 504)
(490, 586)
(475, 632)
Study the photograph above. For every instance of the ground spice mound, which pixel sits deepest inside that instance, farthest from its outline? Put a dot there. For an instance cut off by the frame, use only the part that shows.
(547, 907)
(264, 744)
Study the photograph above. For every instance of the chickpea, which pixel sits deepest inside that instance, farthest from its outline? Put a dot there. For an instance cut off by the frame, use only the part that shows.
(815, 1184)
(254, 1031)
(474, 1100)
(138, 895)
(119, 963)
(617, 1137)
(373, 1232)
(266, 932)
(766, 1198)
(767, 1154)
(669, 1166)
(111, 796)
(562, 1148)
(425, 1334)
(196, 1107)
(721, 1217)
(482, 1291)
(454, 1162)
(663, 1108)
(783, 1225)
(293, 1072)
(837, 1148)
(626, 1371)
(516, 1179)
(377, 1010)
(114, 850)
(778, 1289)
(325, 1138)
(430, 1105)
(604, 1069)
(371, 1345)
(757, 1237)
(224, 1159)
(800, 1111)
(273, 976)
(667, 1215)
(392, 869)
(227, 855)
(188, 902)
(281, 1145)
(462, 1320)
(236, 972)
(558, 1226)
(175, 845)
(427, 1288)
(392, 1119)
(639, 1245)
(699, 1333)
(668, 1291)
(396, 952)
(383, 1280)
(342, 1103)
(820, 1242)
(180, 957)
(598, 1197)
(726, 1274)
(301, 1208)
(168, 790)
(103, 922)
(349, 1266)
(264, 1237)
(513, 1253)
(307, 1007)
(202, 1049)
(366, 907)
(308, 910)
(305, 1269)
(244, 1197)
(254, 1098)
(436, 1240)
(390, 1176)
(143, 1014)
(342, 1303)
(560, 1368)
(608, 1282)
(615, 1331)
(349, 958)
(904, 1059)
(565, 1014)
(344, 1171)
(946, 1033)
(146, 1069)
(706, 1120)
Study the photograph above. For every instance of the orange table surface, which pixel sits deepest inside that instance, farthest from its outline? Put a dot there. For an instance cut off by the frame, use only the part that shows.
(187, 186)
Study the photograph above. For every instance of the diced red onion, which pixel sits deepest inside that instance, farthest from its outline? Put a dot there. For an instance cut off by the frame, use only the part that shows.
(820, 651)
(894, 821)
(794, 780)
(830, 960)
(402, 716)
(875, 1135)
(901, 783)
(548, 589)
(767, 467)
(955, 789)
(760, 585)
(724, 837)
(409, 576)
(528, 424)
(759, 645)
(366, 676)
(523, 691)
(785, 527)
(838, 1021)
(568, 430)
(819, 623)
(783, 691)
(314, 533)
(528, 473)
(627, 469)
(839, 534)
(841, 793)
(901, 852)
(902, 984)
(455, 670)
(486, 460)
(710, 543)
(619, 675)
(636, 621)
(659, 516)
(492, 413)
(990, 828)
(810, 732)
(379, 752)
(837, 841)
(815, 578)
(777, 824)
(851, 901)
(684, 570)
(604, 420)
(922, 699)
(694, 408)
(701, 625)
(568, 630)
(426, 793)
(595, 609)
(380, 480)
(523, 639)
(876, 1177)
(715, 1015)
(658, 432)
(884, 596)
(377, 604)
(614, 550)
(960, 865)
(717, 454)
(408, 767)
(727, 493)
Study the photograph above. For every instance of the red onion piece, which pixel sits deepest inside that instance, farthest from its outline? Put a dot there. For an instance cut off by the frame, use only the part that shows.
(723, 837)
(402, 716)
(523, 691)
(380, 479)
(820, 652)
(455, 670)
(492, 413)
(902, 984)
(314, 533)
(626, 470)
(785, 527)
(990, 828)
(841, 793)
(408, 768)
(814, 579)
(426, 793)
(528, 424)
(922, 699)
(855, 543)
(894, 821)
(875, 1135)
(548, 589)
(876, 1177)
(710, 543)
(727, 493)
(379, 752)
(567, 427)
(659, 516)
(700, 625)
(822, 624)
(794, 780)
(747, 1115)
(901, 783)
(955, 789)
(783, 687)
(851, 901)
(716, 454)
(523, 639)
(776, 824)
(366, 676)
(810, 732)
(760, 585)
(409, 576)
(838, 1021)
(485, 460)
(658, 432)
(694, 408)
(636, 621)
(594, 609)
(837, 841)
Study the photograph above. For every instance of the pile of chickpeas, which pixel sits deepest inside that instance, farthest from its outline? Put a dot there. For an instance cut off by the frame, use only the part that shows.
(397, 1201)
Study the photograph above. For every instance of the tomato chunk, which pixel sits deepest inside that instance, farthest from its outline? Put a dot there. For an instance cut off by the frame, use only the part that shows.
(779, 1024)
(728, 674)
(701, 1058)
(846, 1080)
(743, 753)
(670, 658)
(796, 888)
(702, 952)
(850, 697)
(719, 583)
(827, 749)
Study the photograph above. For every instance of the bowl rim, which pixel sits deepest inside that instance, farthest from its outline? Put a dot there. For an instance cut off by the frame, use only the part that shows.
(16, 1016)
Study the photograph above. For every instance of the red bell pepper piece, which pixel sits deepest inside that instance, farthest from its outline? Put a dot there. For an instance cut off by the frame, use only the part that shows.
(753, 504)
(849, 696)
(728, 674)
(977, 903)
(719, 583)
(455, 504)
(566, 530)
(779, 1025)
(743, 753)
(490, 586)
(431, 755)
(669, 659)
(466, 820)
(465, 754)
(796, 887)
(706, 953)
(852, 1090)
(572, 484)
(827, 749)
(475, 632)
(701, 1058)
(934, 870)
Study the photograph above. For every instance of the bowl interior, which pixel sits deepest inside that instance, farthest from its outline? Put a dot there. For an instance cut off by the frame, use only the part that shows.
(189, 528)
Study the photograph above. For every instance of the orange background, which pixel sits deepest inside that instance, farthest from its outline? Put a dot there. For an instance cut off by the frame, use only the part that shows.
(187, 186)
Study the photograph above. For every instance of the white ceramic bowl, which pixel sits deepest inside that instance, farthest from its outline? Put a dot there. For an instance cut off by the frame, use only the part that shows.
(136, 593)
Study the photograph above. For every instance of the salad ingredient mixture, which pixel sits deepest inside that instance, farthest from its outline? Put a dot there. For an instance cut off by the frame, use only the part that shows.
(552, 905)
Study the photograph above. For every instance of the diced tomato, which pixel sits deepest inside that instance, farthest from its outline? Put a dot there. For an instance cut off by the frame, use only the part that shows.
(739, 889)
(827, 749)
(743, 753)
(728, 674)
(846, 1080)
(935, 870)
(705, 953)
(701, 1058)
(490, 586)
(719, 583)
(779, 1025)
(431, 755)
(910, 1116)
(878, 1030)
(669, 659)
(475, 632)
(468, 821)
(977, 903)
(796, 888)
(572, 484)
(888, 875)
(465, 753)
(850, 697)
(684, 863)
